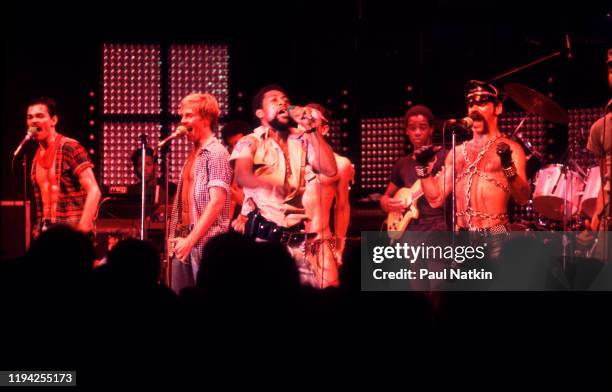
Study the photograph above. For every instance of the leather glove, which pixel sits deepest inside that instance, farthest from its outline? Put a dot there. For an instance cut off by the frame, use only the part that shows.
(505, 154)
(424, 155)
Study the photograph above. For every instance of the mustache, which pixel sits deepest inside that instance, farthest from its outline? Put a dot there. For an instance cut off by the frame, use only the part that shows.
(476, 116)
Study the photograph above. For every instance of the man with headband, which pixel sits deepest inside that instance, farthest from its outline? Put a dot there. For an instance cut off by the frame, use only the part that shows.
(490, 168)
(326, 202)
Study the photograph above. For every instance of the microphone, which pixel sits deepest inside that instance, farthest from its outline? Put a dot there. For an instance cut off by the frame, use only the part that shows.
(302, 117)
(179, 131)
(32, 131)
(297, 111)
(465, 122)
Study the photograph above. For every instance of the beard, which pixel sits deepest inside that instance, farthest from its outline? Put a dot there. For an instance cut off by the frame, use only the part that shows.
(279, 126)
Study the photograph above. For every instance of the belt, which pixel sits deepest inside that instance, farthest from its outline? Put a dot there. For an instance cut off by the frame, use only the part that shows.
(493, 230)
(182, 231)
(296, 239)
(259, 227)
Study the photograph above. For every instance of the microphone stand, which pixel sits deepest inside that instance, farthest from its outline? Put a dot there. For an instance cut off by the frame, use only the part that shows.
(453, 168)
(165, 151)
(26, 215)
(143, 146)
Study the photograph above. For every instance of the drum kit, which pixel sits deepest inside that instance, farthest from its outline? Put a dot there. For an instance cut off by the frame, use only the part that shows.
(562, 196)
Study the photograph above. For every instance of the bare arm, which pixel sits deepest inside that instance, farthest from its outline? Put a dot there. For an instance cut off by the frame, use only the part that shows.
(243, 168)
(386, 201)
(436, 189)
(342, 212)
(183, 246)
(89, 184)
(323, 161)
(599, 204)
(519, 186)
(237, 193)
(237, 197)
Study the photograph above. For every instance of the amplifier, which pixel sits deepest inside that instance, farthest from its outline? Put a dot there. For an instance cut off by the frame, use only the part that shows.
(111, 230)
(16, 228)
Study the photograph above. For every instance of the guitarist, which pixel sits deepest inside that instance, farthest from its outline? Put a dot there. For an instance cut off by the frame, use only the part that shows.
(419, 128)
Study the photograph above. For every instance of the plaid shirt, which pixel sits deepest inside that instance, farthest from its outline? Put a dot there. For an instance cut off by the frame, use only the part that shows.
(211, 169)
(71, 160)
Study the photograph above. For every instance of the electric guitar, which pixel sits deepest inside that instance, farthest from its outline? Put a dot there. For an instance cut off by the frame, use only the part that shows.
(397, 222)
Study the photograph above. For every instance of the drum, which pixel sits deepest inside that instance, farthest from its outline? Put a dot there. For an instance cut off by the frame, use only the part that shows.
(553, 189)
(592, 188)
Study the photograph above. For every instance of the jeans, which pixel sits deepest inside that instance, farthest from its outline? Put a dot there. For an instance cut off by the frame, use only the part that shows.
(185, 274)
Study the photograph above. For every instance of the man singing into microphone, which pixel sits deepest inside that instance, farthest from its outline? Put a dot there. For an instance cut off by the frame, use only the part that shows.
(321, 193)
(65, 188)
(489, 168)
(270, 165)
(201, 206)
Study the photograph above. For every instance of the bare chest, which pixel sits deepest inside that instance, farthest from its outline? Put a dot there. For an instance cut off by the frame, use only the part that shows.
(45, 177)
(480, 158)
(188, 174)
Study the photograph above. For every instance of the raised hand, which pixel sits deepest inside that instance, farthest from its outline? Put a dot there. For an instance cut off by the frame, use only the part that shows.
(505, 154)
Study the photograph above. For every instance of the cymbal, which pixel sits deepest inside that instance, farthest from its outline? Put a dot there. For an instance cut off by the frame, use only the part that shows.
(536, 103)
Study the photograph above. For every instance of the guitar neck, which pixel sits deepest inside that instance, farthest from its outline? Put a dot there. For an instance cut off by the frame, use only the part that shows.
(418, 194)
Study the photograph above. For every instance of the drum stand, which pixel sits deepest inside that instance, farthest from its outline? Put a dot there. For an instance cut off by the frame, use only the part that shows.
(530, 150)
(567, 207)
(565, 240)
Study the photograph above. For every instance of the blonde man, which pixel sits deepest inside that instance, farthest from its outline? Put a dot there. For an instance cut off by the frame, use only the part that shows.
(202, 202)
